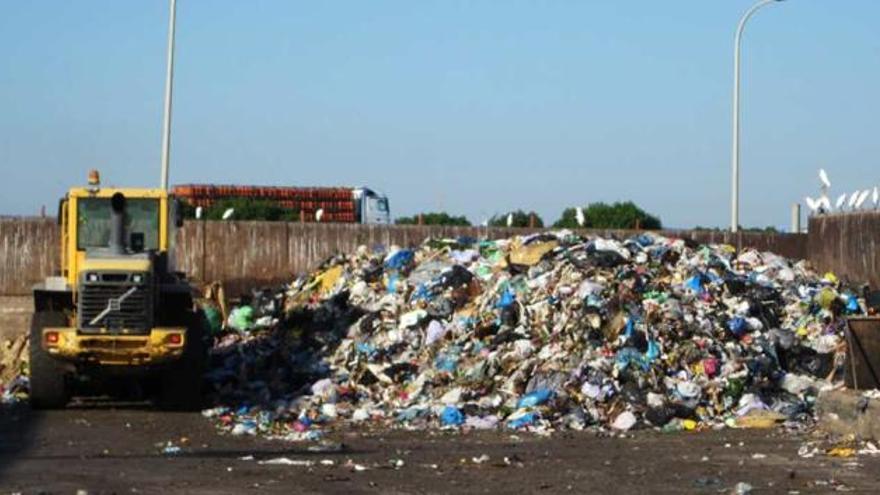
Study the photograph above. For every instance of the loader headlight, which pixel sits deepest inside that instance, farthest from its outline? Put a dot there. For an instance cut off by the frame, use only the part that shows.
(137, 278)
(91, 277)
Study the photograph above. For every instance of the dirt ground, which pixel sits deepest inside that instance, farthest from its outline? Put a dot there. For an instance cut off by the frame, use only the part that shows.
(119, 449)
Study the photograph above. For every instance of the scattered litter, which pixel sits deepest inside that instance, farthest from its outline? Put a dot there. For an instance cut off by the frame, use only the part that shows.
(355, 467)
(480, 460)
(742, 488)
(870, 448)
(286, 461)
(171, 449)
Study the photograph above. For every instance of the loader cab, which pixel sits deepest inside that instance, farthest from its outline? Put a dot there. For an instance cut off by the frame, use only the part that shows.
(114, 224)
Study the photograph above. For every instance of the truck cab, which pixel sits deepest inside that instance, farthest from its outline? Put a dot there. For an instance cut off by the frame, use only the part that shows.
(372, 207)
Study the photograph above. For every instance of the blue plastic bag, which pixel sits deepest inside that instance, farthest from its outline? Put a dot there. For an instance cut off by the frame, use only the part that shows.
(738, 326)
(421, 294)
(535, 398)
(644, 240)
(695, 284)
(446, 362)
(399, 260)
(451, 416)
(653, 351)
(630, 356)
(852, 304)
(630, 328)
(507, 298)
(526, 419)
(392, 283)
(365, 348)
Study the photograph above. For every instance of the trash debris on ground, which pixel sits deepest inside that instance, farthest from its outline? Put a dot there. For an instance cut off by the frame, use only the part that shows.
(286, 461)
(170, 448)
(742, 488)
(542, 332)
(841, 447)
(14, 384)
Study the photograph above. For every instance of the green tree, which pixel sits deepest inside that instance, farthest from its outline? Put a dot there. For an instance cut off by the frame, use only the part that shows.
(520, 219)
(435, 218)
(244, 209)
(624, 215)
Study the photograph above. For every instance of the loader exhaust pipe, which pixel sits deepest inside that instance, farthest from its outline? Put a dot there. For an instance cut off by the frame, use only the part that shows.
(117, 224)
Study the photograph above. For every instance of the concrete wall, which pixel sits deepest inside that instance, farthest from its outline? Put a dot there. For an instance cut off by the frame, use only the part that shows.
(28, 252)
(847, 244)
(243, 254)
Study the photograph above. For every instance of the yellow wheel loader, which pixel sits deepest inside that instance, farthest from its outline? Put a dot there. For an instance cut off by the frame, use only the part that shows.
(117, 308)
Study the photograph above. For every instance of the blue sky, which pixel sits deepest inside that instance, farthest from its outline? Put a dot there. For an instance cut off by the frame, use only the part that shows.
(473, 107)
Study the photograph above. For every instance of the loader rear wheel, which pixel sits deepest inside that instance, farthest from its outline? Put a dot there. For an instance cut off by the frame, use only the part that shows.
(181, 383)
(48, 382)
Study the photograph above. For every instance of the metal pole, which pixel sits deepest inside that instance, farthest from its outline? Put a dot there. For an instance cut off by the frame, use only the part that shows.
(734, 200)
(796, 218)
(169, 82)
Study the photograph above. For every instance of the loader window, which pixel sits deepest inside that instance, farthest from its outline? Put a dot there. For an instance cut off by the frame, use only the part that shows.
(93, 222)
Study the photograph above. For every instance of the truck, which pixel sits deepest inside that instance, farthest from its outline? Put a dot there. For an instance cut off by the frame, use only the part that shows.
(117, 308)
(314, 204)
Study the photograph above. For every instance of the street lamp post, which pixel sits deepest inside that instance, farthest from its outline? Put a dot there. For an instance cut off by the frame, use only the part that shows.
(734, 200)
(169, 82)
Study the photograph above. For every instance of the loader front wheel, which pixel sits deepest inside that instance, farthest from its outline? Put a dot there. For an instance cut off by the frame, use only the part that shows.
(181, 383)
(48, 382)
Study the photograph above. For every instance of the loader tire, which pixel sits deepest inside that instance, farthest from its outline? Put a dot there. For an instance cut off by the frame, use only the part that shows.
(48, 382)
(181, 383)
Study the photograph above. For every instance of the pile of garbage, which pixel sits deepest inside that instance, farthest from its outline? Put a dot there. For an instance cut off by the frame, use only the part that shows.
(14, 384)
(542, 332)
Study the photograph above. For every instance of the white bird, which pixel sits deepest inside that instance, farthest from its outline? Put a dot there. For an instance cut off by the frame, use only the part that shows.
(319, 214)
(228, 213)
(485, 222)
(198, 212)
(862, 198)
(840, 200)
(826, 203)
(813, 204)
(510, 219)
(875, 197)
(579, 215)
(852, 199)
(824, 178)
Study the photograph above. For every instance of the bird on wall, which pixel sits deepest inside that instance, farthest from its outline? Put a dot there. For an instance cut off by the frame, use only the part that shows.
(852, 200)
(863, 196)
(823, 177)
